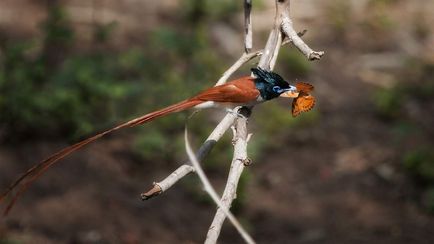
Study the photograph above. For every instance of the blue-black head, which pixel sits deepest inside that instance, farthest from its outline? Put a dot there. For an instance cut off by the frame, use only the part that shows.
(270, 84)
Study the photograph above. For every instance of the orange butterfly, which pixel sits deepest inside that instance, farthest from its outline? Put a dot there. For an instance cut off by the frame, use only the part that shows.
(304, 101)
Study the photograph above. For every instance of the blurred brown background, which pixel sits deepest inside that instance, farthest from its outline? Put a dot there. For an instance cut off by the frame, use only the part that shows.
(359, 168)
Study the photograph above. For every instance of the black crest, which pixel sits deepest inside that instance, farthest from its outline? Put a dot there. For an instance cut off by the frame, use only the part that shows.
(269, 77)
(267, 81)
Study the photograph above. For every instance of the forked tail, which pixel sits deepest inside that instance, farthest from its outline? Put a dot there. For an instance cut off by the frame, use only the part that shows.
(26, 179)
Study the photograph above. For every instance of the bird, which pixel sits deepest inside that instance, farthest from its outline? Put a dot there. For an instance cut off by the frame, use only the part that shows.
(244, 91)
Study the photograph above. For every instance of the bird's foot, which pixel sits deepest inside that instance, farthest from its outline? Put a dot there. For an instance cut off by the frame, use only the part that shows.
(232, 111)
(245, 111)
(240, 112)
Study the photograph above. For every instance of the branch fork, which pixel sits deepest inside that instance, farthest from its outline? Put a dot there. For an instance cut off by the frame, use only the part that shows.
(294, 37)
(282, 33)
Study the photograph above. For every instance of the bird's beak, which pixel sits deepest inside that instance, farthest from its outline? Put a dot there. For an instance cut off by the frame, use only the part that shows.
(291, 92)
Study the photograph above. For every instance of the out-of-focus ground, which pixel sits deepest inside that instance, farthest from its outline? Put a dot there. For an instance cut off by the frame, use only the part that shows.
(359, 168)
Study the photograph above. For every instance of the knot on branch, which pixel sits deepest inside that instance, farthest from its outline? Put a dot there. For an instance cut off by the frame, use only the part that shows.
(155, 191)
(246, 161)
(314, 55)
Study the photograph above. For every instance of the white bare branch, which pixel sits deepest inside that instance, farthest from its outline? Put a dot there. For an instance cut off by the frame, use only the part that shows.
(282, 29)
(289, 31)
(245, 57)
(210, 190)
(248, 34)
(186, 168)
(240, 159)
(238, 163)
(162, 186)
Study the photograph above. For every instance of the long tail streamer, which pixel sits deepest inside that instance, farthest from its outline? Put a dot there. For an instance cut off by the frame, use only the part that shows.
(26, 179)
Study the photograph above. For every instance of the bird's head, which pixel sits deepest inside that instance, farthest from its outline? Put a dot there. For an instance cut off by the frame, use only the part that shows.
(272, 85)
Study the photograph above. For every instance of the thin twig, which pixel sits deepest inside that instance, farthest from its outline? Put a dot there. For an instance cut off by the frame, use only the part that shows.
(274, 38)
(276, 52)
(186, 168)
(245, 57)
(160, 187)
(281, 34)
(267, 61)
(289, 31)
(238, 163)
(210, 190)
(248, 33)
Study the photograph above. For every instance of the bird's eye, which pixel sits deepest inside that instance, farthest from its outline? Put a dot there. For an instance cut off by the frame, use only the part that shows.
(277, 89)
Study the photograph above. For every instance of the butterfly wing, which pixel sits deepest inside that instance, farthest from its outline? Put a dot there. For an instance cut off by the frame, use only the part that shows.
(304, 87)
(303, 103)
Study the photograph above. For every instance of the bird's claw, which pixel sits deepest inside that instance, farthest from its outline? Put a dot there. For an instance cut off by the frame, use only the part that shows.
(233, 112)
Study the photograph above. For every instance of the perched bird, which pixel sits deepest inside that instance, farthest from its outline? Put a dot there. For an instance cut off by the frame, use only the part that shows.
(245, 91)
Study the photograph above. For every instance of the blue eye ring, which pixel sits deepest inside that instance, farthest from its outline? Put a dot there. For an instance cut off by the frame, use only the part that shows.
(277, 89)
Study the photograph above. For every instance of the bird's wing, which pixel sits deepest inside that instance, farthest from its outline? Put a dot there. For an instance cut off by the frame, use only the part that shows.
(242, 90)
